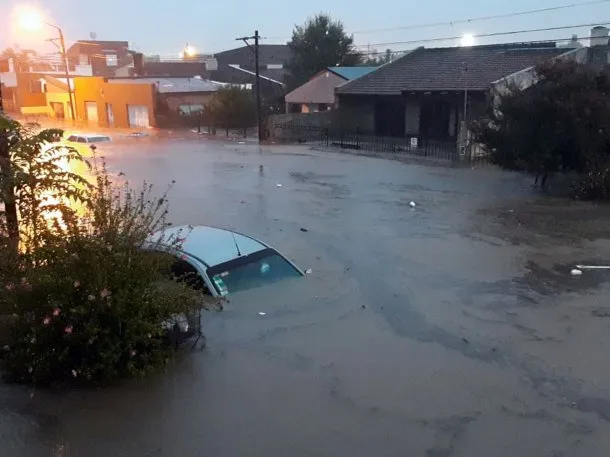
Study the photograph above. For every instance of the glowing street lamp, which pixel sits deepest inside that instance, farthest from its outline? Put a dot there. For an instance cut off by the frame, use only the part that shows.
(30, 20)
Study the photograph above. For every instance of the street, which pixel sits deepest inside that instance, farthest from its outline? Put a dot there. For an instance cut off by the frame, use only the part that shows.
(448, 329)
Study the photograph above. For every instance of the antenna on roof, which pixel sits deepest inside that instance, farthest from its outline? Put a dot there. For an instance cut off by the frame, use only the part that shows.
(236, 245)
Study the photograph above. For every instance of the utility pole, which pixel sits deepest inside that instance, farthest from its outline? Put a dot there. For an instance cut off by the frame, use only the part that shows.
(259, 110)
(64, 57)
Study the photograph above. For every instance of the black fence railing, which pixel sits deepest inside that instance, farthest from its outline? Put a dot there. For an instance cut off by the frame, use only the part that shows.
(355, 139)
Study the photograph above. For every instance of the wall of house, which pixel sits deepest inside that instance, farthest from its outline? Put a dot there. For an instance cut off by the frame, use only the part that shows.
(174, 101)
(412, 112)
(96, 89)
(24, 95)
(356, 112)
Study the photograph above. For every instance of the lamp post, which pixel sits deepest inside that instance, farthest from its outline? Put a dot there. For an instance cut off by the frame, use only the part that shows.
(31, 20)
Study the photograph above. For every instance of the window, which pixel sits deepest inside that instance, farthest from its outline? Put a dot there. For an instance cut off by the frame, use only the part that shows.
(112, 60)
(36, 87)
(97, 139)
(190, 109)
(250, 271)
(275, 66)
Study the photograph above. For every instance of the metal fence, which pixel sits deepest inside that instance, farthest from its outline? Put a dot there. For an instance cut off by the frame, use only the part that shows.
(446, 150)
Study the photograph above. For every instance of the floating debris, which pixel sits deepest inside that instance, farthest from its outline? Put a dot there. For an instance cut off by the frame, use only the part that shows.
(412, 204)
(576, 272)
(308, 271)
(261, 313)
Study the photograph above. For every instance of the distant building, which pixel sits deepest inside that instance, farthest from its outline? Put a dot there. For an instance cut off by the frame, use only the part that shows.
(318, 94)
(104, 57)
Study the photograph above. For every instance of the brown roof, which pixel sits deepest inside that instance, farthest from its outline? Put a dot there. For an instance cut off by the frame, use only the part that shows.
(442, 69)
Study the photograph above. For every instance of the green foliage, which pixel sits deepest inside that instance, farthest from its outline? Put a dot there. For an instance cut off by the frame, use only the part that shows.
(232, 107)
(559, 124)
(86, 301)
(320, 43)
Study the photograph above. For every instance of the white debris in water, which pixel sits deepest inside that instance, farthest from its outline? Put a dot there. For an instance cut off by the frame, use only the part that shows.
(278, 185)
(242, 142)
(261, 313)
(412, 204)
(308, 271)
(576, 272)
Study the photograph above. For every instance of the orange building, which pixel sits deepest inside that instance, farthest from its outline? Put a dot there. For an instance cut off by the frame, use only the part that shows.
(140, 102)
(110, 103)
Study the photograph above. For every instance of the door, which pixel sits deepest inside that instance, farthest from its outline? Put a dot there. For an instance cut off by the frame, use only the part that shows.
(58, 109)
(138, 116)
(91, 111)
(110, 115)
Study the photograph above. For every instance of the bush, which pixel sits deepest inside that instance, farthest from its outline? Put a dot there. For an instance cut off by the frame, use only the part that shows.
(86, 302)
(561, 124)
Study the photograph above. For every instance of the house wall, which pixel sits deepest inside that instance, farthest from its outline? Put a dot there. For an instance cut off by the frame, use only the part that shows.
(24, 96)
(95, 89)
(412, 112)
(198, 98)
(356, 112)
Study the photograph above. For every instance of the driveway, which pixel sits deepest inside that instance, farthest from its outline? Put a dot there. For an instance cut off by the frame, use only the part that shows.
(452, 329)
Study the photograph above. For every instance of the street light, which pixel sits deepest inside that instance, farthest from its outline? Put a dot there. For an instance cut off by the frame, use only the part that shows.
(30, 19)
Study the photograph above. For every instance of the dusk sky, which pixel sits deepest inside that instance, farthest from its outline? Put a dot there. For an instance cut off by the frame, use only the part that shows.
(156, 27)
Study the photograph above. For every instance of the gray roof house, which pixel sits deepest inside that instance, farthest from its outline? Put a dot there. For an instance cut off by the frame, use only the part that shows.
(426, 93)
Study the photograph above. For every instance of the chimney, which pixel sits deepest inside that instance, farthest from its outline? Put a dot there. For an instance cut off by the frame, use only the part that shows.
(599, 36)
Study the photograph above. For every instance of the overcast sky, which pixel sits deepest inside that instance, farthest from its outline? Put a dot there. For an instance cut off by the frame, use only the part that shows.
(163, 27)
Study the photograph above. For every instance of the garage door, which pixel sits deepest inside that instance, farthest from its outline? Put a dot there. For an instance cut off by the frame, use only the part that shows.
(138, 116)
(91, 110)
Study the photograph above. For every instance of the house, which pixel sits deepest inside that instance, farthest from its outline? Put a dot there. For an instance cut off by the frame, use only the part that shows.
(428, 93)
(237, 67)
(140, 102)
(104, 57)
(318, 94)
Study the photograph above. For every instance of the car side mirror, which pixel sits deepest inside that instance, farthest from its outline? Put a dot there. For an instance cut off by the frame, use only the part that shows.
(93, 147)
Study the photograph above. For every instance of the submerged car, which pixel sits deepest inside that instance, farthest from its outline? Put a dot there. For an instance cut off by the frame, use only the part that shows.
(224, 261)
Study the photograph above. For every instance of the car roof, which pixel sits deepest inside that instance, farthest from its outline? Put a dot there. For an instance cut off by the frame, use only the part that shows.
(211, 245)
(88, 135)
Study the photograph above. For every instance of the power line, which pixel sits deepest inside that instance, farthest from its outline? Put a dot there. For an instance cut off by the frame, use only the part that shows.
(516, 43)
(487, 35)
(484, 18)
(470, 20)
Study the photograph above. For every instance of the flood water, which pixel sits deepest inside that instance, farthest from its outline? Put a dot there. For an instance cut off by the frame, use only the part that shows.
(452, 329)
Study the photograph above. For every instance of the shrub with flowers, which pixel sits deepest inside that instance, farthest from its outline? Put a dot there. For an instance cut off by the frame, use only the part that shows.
(85, 302)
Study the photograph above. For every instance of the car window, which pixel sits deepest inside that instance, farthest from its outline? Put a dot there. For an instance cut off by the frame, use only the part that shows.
(98, 139)
(254, 270)
(80, 139)
(72, 138)
(183, 271)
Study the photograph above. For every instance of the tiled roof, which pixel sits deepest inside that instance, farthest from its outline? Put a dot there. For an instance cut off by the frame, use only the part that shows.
(442, 69)
(350, 73)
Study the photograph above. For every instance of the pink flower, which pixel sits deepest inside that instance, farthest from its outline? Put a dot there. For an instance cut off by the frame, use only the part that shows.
(77, 283)
(10, 286)
(105, 293)
(133, 353)
(182, 257)
(91, 297)
(68, 329)
(46, 321)
(56, 312)
(74, 373)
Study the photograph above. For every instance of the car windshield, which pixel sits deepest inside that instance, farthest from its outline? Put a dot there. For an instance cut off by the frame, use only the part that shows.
(254, 270)
(97, 139)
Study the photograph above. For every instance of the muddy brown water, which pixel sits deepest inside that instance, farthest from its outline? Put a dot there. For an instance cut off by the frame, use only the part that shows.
(451, 329)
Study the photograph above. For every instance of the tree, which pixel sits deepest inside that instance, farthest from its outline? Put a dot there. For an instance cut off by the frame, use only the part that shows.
(321, 42)
(376, 59)
(559, 124)
(232, 107)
